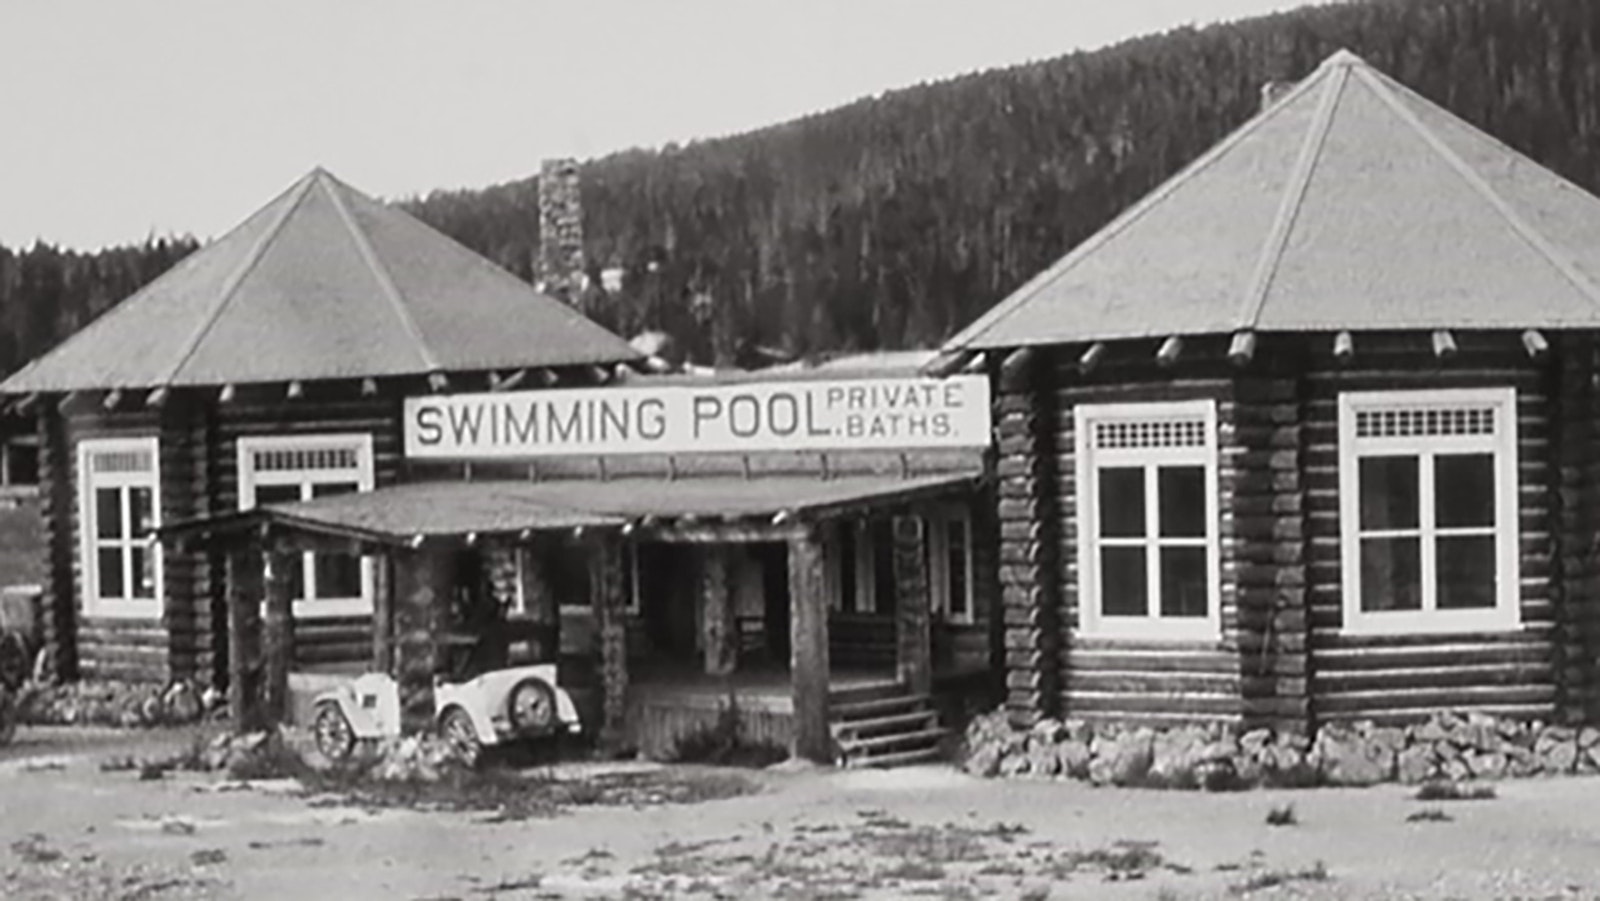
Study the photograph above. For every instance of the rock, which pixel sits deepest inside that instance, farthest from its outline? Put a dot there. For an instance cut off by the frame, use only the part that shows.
(1218, 775)
(1591, 759)
(1254, 741)
(1121, 759)
(1346, 757)
(1415, 764)
(1175, 754)
(1456, 770)
(1048, 729)
(1014, 765)
(1043, 759)
(1488, 766)
(1073, 756)
(1588, 737)
(1557, 757)
(983, 760)
(1436, 729)
(1523, 761)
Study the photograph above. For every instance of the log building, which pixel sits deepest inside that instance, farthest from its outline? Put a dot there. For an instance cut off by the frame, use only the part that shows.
(1309, 433)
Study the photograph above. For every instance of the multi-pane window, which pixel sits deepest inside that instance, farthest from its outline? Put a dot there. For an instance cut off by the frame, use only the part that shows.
(287, 469)
(950, 563)
(120, 490)
(1147, 519)
(1428, 522)
(862, 565)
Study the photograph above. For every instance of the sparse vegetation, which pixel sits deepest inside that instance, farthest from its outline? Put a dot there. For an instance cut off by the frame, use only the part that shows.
(1282, 815)
(1265, 879)
(1441, 790)
(1428, 815)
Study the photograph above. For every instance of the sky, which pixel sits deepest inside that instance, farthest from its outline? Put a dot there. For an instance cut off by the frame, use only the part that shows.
(124, 120)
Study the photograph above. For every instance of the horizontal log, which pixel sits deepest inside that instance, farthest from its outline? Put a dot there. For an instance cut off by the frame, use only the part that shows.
(1333, 682)
(1088, 660)
(1458, 697)
(1108, 682)
(1079, 702)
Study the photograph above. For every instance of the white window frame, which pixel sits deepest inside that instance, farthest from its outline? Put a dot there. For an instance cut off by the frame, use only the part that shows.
(1089, 459)
(938, 532)
(1506, 614)
(250, 479)
(862, 549)
(89, 542)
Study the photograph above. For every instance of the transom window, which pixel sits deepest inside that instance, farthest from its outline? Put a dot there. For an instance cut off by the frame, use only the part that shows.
(1147, 519)
(285, 469)
(119, 483)
(1428, 510)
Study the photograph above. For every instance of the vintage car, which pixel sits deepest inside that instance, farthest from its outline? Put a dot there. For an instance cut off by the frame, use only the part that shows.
(516, 703)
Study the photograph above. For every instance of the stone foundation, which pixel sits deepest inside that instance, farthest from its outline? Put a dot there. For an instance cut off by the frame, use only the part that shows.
(1453, 746)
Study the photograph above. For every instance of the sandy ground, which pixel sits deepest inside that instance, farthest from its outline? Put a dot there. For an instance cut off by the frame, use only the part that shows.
(68, 830)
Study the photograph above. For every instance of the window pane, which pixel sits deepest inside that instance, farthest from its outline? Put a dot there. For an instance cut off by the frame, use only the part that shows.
(1181, 492)
(1124, 584)
(1389, 493)
(1183, 581)
(332, 489)
(108, 512)
(296, 575)
(847, 567)
(1463, 490)
(109, 563)
(144, 571)
(277, 494)
(1466, 572)
(140, 512)
(1122, 502)
(1391, 574)
(338, 575)
(883, 587)
(956, 535)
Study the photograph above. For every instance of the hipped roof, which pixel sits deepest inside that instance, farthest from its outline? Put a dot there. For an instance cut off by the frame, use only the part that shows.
(1351, 203)
(322, 282)
(399, 513)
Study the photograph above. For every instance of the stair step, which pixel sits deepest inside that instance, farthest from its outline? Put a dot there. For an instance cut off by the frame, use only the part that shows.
(897, 758)
(876, 706)
(851, 746)
(856, 727)
(870, 692)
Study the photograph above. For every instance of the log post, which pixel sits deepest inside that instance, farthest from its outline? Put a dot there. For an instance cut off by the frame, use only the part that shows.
(421, 599)
(277, 634)
(808, 648)
(540, 606)
(721, 642)
(245, 595)
(382, 613)
(912, 626)
(611, 627)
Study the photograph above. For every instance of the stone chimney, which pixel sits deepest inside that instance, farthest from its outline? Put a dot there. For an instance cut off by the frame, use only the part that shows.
(560, 271)
(1273, 91)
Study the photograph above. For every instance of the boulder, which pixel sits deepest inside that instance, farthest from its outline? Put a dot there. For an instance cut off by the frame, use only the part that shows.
(1556, 754)
(1346, 757)
(1415, 764)
(1014, 764)
(983, 759)
(1121, 759)
(1491, 765)
(1073, 757)
(1174, 754)
(1043, 758)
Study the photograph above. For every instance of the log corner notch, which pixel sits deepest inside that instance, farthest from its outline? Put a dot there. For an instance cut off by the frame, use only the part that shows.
(808, 648)
(1243, 348)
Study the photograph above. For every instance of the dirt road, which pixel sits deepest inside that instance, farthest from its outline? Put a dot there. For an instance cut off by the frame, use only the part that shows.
(68, 830)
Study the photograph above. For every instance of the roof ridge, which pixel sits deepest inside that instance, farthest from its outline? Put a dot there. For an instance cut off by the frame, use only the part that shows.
(1530, 235)
(1019, 297)
(231, 287)
(1294, 196)
(379, 271)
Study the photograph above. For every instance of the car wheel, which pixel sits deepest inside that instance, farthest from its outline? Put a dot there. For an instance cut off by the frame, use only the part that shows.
(531, 707)
(334, 736)
(458, 731)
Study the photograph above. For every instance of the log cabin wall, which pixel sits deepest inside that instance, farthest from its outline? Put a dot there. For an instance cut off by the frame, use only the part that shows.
(1407, 677)
(323, 409)
(1155, 681)
(1576, 566)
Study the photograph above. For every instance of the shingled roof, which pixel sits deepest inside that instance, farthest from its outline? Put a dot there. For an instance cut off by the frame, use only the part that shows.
(1351, 203)
(323, 282)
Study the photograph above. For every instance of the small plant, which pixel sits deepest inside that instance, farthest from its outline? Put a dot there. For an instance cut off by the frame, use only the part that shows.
(1317, 872)
(1282, 815)
(1439, 790)
(1429, 815)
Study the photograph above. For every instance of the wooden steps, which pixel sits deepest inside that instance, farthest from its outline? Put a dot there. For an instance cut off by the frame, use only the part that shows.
(883, 725)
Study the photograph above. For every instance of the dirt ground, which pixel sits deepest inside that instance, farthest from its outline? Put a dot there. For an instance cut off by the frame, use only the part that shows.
(69, 830)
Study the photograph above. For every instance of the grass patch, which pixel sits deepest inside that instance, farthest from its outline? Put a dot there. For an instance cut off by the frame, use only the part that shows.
(914, 871)
(1282, 815)
(1125, 859)
(1265, 879)
(1429, 815)
(1440, 790)
(35, 848)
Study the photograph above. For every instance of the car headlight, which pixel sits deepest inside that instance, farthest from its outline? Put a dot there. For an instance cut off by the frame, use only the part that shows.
(531, 706)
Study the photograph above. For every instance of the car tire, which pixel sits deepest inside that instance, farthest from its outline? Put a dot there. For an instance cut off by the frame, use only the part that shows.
(457, 729)
(535, 714)
(336, 739)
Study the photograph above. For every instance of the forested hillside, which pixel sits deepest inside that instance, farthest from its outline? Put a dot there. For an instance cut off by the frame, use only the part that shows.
(892, 221)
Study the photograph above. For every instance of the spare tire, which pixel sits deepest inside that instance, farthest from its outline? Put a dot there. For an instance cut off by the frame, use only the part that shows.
(531, 707)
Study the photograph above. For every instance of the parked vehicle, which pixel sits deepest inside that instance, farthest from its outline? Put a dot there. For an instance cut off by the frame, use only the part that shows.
(521, 703)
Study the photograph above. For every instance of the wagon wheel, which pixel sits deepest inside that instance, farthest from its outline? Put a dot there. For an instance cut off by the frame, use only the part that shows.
(13, 660)
(334, 736)
(458, 731)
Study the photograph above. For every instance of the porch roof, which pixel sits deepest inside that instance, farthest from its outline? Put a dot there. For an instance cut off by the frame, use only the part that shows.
(398, 514)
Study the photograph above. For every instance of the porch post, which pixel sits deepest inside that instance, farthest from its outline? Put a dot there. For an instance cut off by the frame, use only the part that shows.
(611, 624)
(421, 595)
(540, 605)
(720, 640)
(912, 626)
(244, 639)
(808, 648)
(382, 613)
(278, 633)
